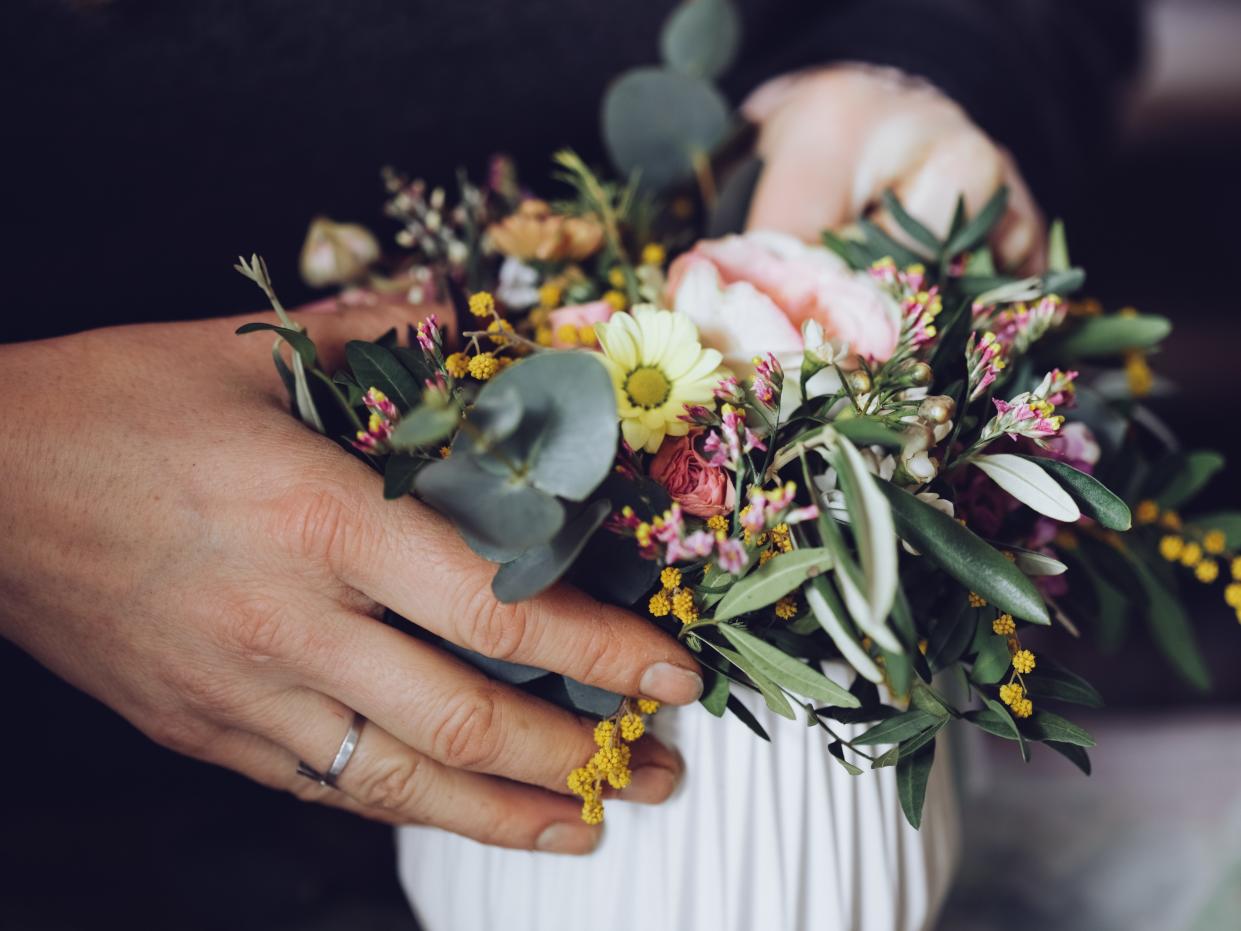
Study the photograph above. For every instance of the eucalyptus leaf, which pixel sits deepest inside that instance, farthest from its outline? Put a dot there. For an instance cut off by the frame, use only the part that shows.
(960, 553)
(790, 673)
(542, 566)
(701, 37)
(769, 583)
(495, 509)
(659, 123)
(1095, 498)
(566, 440)
(1030, 485)
(425, 425)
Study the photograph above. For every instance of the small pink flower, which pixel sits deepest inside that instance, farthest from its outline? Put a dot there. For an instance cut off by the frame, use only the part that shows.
(700, 488)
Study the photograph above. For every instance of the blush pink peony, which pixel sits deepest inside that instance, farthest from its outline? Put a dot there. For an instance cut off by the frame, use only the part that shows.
(699, 487)
(786, 284)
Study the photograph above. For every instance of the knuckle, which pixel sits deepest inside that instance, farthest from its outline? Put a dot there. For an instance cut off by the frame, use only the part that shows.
(179, 732)
(492, 628)
(261, 628)
(466, 737)
(394, 786)
(600, 651)
(318, 520)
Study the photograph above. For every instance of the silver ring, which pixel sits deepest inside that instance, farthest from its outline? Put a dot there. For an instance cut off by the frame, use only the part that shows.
(343, 755)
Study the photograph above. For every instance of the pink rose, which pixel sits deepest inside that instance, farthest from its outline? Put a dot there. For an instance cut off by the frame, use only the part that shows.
(578, 319)
(803, 283)
(700, 488)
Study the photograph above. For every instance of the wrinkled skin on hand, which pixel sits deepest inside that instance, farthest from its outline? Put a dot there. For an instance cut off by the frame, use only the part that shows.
(176, 544)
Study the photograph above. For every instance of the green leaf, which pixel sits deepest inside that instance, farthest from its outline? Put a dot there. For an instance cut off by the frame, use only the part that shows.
(993, 659)
(870, 518)
(715, 696)
(1058, 248)
(960, 553)
(837, 749)
(1048, 726)
(1190, 473)
(399, 474)
(1171, 628)
(1113, 335)
(1004, 722)
(737, 707)
(911, 746)
(701, 37)
(828, 611)
(566, 440)
(899, 727)
(912, 773)
(1095, 498)
(767, 688)
(951, 635)
(976, 230)
(425, 425)
(1030, 485)
(302, 344)
(1074, 754)
(1051, 681)
(882, 243)
(658, 123)
(495, 509)
(542, 566)
(868, 431)
(766, 585)
(912, 227)
(1227, 522)
(376, 367)
(790, 673)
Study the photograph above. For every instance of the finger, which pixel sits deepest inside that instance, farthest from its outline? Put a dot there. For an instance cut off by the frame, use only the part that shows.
(562, 630)
(1020, 238)
(963, 163)
(447, 709)
(802, 191)
(494, 812)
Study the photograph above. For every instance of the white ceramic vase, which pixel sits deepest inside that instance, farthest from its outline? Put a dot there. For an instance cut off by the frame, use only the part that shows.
(759, 837)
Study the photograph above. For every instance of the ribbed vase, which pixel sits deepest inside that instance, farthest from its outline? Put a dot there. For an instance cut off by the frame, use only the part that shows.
(759, 837)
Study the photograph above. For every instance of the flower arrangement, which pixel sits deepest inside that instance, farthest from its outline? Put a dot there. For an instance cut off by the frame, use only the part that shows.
(871, 453)
(863, 478)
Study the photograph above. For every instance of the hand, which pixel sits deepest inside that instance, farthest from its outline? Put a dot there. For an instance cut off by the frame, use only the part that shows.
(833, 141)
(180, 547)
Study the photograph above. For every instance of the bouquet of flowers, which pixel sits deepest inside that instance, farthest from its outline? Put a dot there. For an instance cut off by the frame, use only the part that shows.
(876, 453)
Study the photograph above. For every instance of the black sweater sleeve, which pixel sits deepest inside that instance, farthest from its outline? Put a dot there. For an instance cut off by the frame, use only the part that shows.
(1041, 76)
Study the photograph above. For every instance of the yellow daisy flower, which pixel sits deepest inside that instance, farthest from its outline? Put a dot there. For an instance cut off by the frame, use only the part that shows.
(657, 367)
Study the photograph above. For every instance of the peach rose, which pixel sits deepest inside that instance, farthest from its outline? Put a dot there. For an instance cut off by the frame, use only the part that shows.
(804, 283)
(573, 325)
(701, 489)
(536, 232)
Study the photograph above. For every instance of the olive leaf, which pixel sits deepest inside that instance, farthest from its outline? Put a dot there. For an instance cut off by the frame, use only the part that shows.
(1030, 485)
(769, 583)
(1095, 499)
(788, 672)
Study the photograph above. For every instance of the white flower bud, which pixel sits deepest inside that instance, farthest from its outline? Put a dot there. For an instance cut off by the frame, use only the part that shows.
(336, 253)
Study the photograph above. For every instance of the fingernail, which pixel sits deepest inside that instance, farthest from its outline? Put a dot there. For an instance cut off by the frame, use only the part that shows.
(650, 785)
(568, 838)
(672, 684)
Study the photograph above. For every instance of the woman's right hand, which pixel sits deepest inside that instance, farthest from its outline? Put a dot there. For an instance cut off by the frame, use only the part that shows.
(177, 545)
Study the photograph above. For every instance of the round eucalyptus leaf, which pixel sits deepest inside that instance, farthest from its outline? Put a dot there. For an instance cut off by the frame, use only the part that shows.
(657, 121)
(495, 509)
(701, 37)
(541, 566)
(566, 439)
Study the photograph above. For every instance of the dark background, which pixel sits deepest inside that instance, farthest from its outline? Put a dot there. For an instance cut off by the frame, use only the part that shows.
(176, 844)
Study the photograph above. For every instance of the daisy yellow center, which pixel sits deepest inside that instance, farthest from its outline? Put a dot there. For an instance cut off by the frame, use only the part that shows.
(647, 387)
